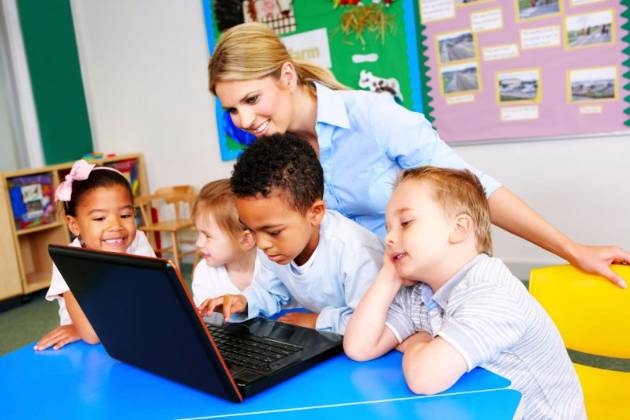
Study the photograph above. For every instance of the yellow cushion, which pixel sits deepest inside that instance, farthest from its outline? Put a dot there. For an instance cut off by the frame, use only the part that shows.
(606, 393)
(591, 313)
(593, 316)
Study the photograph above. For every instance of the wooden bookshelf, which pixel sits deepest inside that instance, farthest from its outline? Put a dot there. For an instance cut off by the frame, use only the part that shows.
(40, 228)
(24, 249)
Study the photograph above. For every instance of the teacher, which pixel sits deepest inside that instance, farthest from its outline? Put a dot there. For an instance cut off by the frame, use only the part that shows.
(363, 139)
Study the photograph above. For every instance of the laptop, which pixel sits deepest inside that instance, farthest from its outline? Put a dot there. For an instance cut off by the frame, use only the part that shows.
(144, 316)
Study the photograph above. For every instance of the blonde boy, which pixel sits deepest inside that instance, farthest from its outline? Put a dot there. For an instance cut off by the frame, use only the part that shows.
(449, 307)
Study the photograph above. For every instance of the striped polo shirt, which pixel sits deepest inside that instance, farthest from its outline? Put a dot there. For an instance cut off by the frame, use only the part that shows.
(491, 319)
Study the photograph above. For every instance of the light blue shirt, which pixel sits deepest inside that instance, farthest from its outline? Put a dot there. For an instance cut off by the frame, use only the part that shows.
(365, 140)
(331, 283)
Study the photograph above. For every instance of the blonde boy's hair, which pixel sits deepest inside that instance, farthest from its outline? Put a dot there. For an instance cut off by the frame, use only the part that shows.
(217, 198)
(458, 192)
(252, 51)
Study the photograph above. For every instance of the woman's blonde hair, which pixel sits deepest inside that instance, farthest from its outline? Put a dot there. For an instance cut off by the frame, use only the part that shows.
(216, 198)
(457, 191)
(253, 51)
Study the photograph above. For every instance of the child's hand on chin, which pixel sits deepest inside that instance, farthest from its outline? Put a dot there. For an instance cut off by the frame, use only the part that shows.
(389, 271)
(57, 338)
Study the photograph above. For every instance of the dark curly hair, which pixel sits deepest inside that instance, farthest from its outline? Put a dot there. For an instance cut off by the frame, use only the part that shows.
(280, 161)
(99, 177)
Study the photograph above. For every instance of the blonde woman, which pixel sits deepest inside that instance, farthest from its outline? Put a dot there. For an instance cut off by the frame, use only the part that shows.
(363, 139)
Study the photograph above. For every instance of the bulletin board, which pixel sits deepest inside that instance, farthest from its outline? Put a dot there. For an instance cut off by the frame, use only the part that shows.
(525, 68)
(386, 60)
(479, 70)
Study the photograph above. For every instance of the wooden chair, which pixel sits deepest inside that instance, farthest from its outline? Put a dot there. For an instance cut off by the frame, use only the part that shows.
(174, 207)
(593, 316)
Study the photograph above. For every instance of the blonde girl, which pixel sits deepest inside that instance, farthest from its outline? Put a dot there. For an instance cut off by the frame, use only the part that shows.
(229, 262)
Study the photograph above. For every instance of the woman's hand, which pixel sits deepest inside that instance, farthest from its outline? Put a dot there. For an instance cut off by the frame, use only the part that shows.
(597, 260)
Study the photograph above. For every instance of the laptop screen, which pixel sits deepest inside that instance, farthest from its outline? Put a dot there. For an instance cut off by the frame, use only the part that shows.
(144, 316)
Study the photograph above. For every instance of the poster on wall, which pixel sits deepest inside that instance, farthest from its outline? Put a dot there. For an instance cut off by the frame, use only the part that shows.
(524, 68)
(371, 46)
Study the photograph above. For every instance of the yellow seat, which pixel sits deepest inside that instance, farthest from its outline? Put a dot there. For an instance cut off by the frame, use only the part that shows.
(593, 316)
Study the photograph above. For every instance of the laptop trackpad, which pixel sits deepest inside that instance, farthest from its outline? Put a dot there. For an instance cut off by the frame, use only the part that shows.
(243, 376)
(282, 332)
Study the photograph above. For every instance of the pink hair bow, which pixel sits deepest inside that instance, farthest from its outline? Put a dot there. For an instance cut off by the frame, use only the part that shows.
(80, 171)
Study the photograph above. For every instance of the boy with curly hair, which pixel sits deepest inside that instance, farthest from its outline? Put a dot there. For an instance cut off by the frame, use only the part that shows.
(321, 259)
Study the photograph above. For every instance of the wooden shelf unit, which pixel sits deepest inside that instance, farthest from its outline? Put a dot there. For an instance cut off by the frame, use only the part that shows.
(24, 257)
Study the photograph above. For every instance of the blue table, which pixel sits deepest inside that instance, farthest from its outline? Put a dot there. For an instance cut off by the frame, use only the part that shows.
(82, 381)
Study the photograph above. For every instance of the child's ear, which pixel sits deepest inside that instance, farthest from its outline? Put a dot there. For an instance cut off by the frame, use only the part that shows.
(73, 225)
(247, 240)
(462, 228)
(316, 212)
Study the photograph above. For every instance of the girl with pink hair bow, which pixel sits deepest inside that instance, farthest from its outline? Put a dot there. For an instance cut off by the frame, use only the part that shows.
(98, 204)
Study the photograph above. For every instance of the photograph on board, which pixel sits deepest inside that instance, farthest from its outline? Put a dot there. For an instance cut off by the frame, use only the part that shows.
(529, 9)
(466, 2)
(589, 30)
(456, 46)
(459, 78)
(519, 86)
(593, 84)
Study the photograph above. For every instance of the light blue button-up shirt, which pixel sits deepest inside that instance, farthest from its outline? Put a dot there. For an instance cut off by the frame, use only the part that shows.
(365, 140)
(331, 283)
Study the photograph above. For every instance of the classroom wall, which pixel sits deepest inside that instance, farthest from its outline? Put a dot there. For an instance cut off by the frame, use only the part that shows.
(144, 70)
(8, 152)
(580, 185)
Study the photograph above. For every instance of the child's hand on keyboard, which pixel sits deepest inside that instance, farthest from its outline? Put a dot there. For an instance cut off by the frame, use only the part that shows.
(214, 319)
(227, 304)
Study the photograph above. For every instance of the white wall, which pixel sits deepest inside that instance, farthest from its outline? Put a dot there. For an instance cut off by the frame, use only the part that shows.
(21, 147)
(8, 152)
(144, 70)
(581, 186)
(144, 66)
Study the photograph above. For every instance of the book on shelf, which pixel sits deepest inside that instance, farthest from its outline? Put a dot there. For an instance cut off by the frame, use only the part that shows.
(32, 200)
(129, 169)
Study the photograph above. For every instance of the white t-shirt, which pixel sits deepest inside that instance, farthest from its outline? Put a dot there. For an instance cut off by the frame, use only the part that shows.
(211, 282)
(58, 286)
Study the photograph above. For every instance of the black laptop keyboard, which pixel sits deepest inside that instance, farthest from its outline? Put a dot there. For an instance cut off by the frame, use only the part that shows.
(252, 352)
